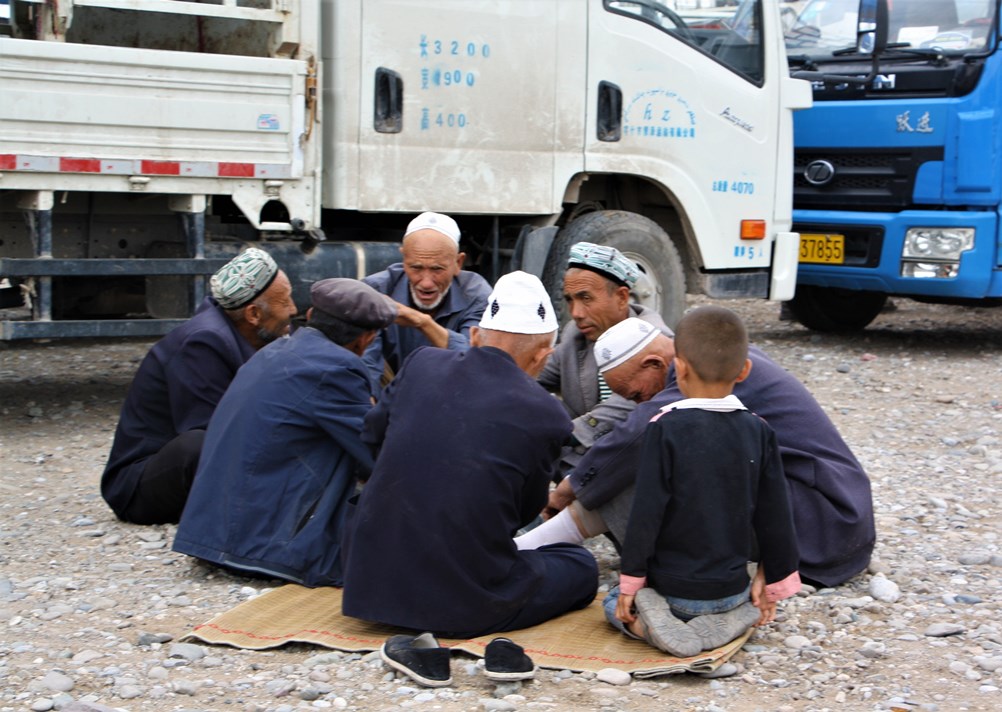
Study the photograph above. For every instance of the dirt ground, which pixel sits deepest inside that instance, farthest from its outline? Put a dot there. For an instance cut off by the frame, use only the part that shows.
(918, 396)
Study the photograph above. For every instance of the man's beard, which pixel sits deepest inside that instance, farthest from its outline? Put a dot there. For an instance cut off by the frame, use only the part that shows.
(430, 307)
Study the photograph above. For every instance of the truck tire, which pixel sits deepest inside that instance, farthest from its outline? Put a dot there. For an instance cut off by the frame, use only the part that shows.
(833, 309)
(661, 286)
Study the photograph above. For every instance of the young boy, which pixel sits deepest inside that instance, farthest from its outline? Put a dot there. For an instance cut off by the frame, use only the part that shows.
(709, 488)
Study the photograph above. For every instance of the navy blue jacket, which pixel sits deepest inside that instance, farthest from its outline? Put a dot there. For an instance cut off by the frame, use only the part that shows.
(707, 480)
(462, 308)
(468, 441)
(829, 490)
(175, 389)
(281, 457)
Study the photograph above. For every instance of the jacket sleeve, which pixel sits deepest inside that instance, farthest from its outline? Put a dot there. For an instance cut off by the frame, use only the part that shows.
(197, 376)
(773, 519)
(339, 407)
(652, 496)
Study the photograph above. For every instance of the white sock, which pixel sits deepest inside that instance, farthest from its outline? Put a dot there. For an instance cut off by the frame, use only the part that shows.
(561, 528)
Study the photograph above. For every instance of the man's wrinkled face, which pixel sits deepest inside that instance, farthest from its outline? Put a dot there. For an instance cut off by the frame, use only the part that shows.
(431, 261)
(277, 309)
(639, 379)
(594, 302)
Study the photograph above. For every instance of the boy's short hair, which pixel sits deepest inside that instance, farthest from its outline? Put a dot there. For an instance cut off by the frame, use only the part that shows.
(714, 342)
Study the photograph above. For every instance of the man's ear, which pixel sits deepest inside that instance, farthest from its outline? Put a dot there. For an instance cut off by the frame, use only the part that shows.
(309, 314)
(744, 371)
(623, 295)
(460, 260)
(475, 340)
(252, 314)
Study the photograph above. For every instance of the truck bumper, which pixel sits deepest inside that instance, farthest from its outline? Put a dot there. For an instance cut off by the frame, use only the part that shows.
(874, 244)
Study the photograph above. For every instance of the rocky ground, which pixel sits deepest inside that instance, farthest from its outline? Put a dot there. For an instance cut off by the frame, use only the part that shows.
(91, 610)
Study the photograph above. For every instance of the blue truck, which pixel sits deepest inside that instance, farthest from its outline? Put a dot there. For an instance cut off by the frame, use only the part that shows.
(898, 165)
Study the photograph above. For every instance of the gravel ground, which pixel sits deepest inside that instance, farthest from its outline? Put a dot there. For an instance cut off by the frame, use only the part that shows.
(91, 609)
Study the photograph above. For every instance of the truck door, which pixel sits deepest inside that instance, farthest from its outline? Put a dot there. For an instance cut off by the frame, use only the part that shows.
(684, 100)
(458, 108)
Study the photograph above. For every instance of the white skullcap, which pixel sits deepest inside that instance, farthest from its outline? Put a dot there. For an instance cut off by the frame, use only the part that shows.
(519, 304)
(437, 222)
(622, 342)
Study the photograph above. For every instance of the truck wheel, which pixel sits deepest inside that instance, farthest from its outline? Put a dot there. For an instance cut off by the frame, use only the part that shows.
(661, 286)
(833, 309)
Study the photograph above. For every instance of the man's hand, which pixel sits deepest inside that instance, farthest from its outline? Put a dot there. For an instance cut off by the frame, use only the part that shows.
(560, 497)
(436, 334)
(624, 609)
(767, 610)
(408, 316)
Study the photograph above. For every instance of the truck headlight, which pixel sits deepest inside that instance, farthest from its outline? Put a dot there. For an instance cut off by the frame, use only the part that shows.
(933, 252)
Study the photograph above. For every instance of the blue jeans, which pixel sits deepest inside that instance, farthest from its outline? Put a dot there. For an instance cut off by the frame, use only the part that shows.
(682, 608)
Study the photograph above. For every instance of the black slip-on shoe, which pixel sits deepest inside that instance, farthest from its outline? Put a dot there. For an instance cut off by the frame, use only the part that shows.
(506, 660)
(420, 657)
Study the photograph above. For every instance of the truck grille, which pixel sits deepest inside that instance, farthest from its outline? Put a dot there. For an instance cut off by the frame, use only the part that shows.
(871, 180)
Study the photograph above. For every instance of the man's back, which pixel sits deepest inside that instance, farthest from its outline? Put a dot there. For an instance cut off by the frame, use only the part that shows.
(468, 440)
(175, 389)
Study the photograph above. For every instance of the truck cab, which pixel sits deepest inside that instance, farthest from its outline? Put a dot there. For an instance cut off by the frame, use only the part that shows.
(897, 171)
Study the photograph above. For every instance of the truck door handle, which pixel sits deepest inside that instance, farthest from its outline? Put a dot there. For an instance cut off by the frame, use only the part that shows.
(610, 112)
(388, 109)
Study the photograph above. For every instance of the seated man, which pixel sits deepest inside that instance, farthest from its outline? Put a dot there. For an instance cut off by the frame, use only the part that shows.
(467, 440)
(172, 396)
(597, 293)
(438, 301)
(283, 450)
(829, 491)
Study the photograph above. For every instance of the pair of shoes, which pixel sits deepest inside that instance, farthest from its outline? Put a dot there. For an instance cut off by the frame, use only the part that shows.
(664, 630)
(718, 629)
(506, 660)
(420, 657)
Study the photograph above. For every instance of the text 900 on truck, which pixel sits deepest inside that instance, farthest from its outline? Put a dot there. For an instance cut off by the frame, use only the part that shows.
(142, 144)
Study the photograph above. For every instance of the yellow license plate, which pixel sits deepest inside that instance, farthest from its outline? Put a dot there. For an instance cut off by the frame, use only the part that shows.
(818, 248)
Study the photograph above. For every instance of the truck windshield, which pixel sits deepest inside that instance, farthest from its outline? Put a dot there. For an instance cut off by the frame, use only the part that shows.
(731, 34)
(827, 28)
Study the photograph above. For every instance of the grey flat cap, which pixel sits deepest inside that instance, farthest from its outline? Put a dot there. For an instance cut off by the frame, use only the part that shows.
(351, 301)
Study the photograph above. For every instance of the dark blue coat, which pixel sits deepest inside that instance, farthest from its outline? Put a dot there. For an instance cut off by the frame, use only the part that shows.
(175, 389)
(462, 308)
(829, 491)
(468, 443)
(280, 459)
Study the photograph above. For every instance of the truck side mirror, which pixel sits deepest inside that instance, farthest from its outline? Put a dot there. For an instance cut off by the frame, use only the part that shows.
(871, 32)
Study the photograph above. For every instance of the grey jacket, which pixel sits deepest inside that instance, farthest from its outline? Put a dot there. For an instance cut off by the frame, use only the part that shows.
(572, 372)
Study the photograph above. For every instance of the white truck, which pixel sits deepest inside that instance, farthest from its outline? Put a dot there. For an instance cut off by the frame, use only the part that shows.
(144, 142)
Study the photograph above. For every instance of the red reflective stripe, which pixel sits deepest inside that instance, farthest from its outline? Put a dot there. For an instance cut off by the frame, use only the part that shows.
(236, 170)
(161, 168)
(8, 161)
(80, 165)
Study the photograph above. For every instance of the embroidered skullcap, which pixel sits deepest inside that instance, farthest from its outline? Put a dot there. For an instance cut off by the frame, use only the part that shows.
(437, 222)
(606, 260)
(519, 304)
(622, 342)
(241, 280)
(351, 301)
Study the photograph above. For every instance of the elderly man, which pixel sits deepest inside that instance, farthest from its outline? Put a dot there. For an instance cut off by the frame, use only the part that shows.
(438, 300)
(597, 293)
(177, 386)
(283, 450)
(829, 491)
(467, 440)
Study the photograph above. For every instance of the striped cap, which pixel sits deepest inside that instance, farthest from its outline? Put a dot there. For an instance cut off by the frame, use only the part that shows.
(241, 280)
